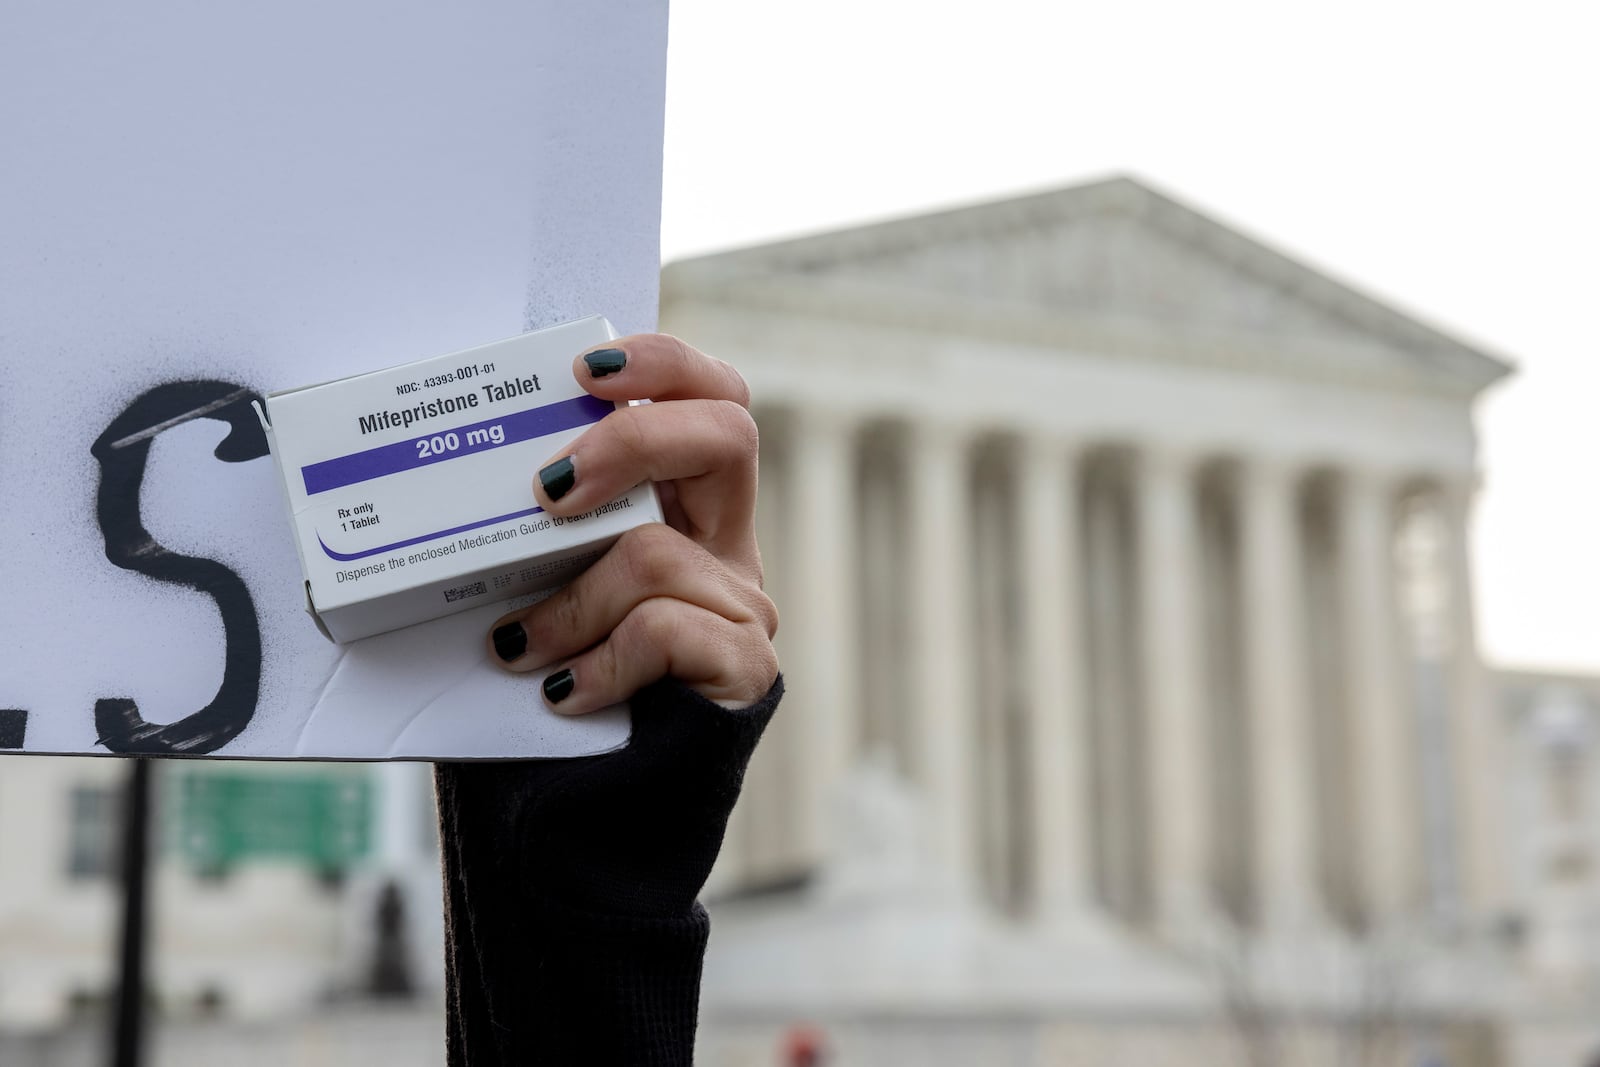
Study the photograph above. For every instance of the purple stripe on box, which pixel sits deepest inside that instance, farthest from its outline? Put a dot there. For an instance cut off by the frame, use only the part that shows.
(408, 455)
(348, 556)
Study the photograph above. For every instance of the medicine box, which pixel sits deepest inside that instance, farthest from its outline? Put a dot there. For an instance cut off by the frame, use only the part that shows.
(410, 489)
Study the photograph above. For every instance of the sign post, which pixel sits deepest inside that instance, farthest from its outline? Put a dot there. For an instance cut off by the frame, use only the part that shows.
(127, 1032)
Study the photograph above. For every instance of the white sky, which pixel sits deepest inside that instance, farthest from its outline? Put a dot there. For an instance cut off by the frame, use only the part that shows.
(1442, 156)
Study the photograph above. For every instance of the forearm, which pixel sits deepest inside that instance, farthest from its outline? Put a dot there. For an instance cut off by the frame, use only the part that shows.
(572, 931)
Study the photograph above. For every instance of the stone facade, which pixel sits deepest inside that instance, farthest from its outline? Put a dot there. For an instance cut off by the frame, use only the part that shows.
(1135, 699)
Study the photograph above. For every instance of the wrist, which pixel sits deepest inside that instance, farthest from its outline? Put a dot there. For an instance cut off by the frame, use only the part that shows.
(635, 833)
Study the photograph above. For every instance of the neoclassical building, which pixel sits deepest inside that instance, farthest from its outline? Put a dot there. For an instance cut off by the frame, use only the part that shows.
(1135, 702)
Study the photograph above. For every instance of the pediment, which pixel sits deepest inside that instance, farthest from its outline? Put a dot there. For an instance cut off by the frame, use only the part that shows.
(1113, 252)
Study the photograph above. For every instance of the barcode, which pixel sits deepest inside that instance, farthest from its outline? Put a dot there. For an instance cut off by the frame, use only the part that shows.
(464, 591)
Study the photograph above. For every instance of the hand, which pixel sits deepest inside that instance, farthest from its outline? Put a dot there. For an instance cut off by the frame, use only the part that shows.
(683, 599)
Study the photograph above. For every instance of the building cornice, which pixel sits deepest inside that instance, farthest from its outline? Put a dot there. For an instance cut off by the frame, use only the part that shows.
(1328, 361)
(1438, 363)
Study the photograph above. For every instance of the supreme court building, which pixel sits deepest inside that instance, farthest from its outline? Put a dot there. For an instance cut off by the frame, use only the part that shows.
(1135, 707)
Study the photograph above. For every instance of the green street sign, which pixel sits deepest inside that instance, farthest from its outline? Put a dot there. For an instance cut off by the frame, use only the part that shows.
(225, 817)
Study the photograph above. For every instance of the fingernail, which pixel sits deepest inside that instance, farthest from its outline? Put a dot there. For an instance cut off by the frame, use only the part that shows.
(606, 361)
(558, 686)
(557, 478)
(510, 641)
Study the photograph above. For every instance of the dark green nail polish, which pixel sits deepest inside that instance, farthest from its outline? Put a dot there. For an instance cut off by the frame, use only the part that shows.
(510, 641)
(606, 361)
(558, 686)
(557, 478)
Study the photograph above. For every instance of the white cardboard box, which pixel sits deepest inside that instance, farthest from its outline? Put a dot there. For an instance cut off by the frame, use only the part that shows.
(410, 489)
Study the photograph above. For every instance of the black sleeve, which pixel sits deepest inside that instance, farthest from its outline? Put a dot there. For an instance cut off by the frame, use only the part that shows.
(572, 934)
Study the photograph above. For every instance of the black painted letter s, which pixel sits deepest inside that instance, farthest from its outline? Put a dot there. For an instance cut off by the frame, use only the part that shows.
(123, 450)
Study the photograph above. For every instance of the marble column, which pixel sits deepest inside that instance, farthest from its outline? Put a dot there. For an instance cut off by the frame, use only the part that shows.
(1116, 711)
(1172, 667)
(821, 614)
(1387, 816)
(1275, 677)
(1478, 762)
(1059, 743)
(941, 652)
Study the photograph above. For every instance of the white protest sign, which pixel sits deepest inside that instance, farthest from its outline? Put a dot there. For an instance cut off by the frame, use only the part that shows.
(204, 203)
